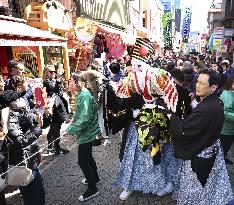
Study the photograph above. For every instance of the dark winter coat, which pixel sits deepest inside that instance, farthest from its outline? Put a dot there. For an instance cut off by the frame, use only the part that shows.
(199, 130)
(60, 110)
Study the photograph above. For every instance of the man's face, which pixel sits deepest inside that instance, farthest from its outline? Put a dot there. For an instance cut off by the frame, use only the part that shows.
(51, 74)
(224, 67)
(214, 67)
(18, 70)
(203, 88)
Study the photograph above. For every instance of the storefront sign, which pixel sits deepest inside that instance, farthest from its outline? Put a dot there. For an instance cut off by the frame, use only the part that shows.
(217, 42)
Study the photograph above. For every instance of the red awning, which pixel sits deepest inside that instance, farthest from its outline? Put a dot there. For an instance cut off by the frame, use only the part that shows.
(14, 32)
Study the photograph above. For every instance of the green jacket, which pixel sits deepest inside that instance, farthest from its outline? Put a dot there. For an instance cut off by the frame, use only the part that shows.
(85, 125)
(227, 97)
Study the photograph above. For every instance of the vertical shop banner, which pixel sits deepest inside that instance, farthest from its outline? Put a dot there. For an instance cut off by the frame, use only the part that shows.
(167, 30)
(186, 25)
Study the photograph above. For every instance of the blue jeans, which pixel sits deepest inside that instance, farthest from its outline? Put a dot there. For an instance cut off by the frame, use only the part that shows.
(34, 193)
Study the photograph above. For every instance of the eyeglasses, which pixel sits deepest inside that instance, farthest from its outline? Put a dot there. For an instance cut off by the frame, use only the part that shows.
(52, 71)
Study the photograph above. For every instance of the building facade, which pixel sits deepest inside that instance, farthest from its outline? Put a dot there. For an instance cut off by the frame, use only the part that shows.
(114, 12)
(221, 28)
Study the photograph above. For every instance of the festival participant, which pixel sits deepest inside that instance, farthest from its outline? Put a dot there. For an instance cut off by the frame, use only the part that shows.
(203, 178)
(227, 134)
(140, 168)
(84, 125)
(170, 164)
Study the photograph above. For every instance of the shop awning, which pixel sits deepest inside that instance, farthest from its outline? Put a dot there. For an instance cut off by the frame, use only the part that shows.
(15, 32)
(111, 29)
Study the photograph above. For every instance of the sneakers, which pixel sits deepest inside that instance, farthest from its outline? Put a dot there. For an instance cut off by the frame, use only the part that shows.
(61, 151)
(166, 190)
(125, 195)
(84, 181)
(88, 195)
(50, 151)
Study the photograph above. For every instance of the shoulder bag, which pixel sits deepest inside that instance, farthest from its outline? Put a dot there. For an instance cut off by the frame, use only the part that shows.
(19, 175)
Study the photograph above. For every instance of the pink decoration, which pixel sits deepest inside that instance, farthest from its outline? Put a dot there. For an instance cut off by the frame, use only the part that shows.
(143, 51)
(117, 50)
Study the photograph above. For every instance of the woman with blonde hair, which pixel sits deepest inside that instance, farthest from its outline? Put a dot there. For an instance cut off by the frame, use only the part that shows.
(84, 125)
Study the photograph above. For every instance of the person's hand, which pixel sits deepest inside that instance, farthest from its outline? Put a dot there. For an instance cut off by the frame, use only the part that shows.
(197, 59)
(106, 141)
(169, 116)
(46, 109)
(194, 103)
(72, 121)
(135, 113)
(192, 96)
(39, 119)
(2, 135)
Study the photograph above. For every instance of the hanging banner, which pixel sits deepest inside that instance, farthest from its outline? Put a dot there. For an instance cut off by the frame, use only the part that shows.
(167, 31)
(186, 25)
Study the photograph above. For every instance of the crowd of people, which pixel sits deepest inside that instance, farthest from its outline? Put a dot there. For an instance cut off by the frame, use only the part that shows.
(175, 116)
(22, 121)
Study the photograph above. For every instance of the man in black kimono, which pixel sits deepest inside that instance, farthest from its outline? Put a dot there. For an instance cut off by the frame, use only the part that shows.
(201, 129)
(183, 108)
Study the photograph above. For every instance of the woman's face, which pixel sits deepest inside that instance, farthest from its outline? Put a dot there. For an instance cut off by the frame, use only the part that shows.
(72, 85)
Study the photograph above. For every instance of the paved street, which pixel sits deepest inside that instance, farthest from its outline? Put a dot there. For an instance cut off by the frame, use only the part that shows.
(62, 177)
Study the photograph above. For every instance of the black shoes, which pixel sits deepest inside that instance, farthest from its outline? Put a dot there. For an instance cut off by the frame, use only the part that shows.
(56, 152)
(50, 151)
(88, 195)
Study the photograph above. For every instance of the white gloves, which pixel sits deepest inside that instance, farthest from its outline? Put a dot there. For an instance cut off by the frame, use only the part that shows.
(169, 116)
(135, 113)
(194, 103)
(106, 141)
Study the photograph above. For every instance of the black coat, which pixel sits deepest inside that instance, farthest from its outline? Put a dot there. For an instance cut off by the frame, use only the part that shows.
(8, 96)
(60, 111)
(183, 108)
(199, 130)
(52, 86)
(20, 141)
